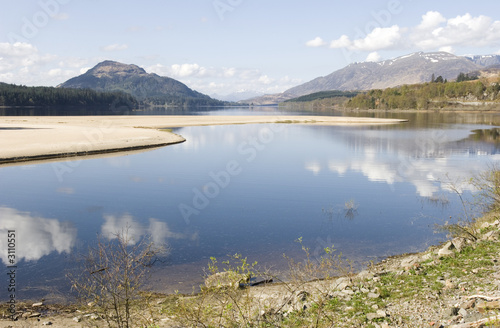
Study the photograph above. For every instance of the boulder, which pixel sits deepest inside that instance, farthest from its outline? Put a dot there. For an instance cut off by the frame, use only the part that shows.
(341, 283)
(380, 314)
(365, 275)
(459, 243)
(492, 235)
(445, 250)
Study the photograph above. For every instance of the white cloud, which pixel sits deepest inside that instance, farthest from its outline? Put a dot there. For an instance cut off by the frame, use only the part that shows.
(224, 80)
(22, 63)
(114, 47)
(431, 20)
(338, 167)
(433, 32)
(447, 49)
(313, 166)
(229, 72)
(379, 38)
(18, 49)
(466, 30)
(317, 42)
(373, 57)
(128, 227)
(125, 225)
(180, 71)
(185, 70)
(342, 42)
(40, 236)
(264, 79)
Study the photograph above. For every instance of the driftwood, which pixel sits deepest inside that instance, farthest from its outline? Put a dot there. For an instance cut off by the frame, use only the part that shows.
(476, 324)
(488, 298)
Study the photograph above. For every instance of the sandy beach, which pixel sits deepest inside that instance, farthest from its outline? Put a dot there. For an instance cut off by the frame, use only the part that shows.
(30, 138)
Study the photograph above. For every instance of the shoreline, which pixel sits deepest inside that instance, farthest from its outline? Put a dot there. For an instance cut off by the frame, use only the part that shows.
(446, 285)
(36, 138)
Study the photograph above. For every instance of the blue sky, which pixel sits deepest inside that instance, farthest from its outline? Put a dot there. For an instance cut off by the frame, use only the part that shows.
(225, 46)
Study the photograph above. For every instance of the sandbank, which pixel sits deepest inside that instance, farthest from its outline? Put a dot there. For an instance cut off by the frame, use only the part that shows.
(35, 138)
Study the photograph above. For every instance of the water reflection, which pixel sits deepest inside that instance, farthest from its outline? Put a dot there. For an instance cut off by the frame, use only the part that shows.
(427, 159)
(381, 190)
(487, 135)
(134, 231)
(36, 236)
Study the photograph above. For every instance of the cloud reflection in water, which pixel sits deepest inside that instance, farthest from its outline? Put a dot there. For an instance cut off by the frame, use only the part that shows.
(35, 236)
(158, 230)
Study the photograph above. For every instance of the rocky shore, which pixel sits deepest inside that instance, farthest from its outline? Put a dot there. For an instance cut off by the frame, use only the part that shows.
(456, 284)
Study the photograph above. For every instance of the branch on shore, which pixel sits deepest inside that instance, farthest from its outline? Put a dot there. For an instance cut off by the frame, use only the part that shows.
(478, 323)
(488, 298)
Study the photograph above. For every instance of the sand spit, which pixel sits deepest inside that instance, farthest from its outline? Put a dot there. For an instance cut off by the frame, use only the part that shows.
(30, 138)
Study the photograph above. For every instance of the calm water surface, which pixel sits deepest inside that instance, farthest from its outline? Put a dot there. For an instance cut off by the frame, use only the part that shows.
(249, 189)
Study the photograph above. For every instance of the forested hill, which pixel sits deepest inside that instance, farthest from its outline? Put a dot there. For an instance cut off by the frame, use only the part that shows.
(17, 95)
(440, 94)
(324, 95)
(148, 88)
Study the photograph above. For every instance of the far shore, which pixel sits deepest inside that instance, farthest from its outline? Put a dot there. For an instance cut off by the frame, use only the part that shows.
(35, 138)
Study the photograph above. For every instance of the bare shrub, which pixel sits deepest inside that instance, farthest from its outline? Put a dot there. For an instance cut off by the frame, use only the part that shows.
(112, 280)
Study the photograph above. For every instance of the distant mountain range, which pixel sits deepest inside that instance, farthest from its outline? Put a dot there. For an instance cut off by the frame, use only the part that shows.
(410, 69)
(237, 96)
(146, 87)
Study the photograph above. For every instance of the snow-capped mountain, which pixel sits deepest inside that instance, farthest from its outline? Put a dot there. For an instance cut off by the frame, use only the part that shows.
(409, 69)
